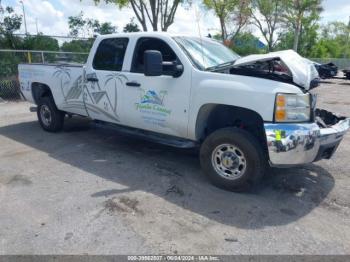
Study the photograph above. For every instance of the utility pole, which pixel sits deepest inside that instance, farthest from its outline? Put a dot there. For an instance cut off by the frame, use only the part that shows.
(24, 17)
(36, 24)
(347, 40)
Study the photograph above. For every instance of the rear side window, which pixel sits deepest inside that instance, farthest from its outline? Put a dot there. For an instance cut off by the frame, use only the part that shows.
(110, 54)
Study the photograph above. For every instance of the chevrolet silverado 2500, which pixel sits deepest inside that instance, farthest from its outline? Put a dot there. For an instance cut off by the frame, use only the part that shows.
(244, 112)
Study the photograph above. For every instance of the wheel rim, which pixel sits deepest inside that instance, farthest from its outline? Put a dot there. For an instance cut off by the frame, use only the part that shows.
(229, 161)
(45, 115)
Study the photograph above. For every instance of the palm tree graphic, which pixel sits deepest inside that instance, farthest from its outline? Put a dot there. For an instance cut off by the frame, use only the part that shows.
(116, 78)
(62, 73)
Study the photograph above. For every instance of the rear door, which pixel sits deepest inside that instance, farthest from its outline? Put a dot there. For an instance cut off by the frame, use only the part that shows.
(105, 80)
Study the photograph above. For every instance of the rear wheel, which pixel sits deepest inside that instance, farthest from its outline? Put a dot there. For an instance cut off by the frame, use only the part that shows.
(232, 159)
(50, 118)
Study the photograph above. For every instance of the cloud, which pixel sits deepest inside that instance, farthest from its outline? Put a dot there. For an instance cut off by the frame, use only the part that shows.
(52, 16)
(336, 12)
(194, 21)
(50, 20)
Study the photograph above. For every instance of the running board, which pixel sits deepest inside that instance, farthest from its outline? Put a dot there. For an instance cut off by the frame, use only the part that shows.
(149, 135)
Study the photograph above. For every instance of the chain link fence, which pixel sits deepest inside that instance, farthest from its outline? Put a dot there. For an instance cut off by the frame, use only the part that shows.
(9, 90)
(9, 60)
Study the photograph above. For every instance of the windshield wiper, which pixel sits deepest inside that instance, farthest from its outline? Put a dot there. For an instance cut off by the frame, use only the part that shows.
(220, 66)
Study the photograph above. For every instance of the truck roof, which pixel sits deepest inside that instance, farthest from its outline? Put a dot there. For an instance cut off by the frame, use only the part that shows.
(141, 34)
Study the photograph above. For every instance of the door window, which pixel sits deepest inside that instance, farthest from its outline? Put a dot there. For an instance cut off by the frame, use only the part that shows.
(147, 43)
(110, 54)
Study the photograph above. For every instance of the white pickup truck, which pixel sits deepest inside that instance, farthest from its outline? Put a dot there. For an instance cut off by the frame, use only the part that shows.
(244, 113)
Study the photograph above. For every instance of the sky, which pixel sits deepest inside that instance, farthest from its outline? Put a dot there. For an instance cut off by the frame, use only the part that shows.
(52, 15)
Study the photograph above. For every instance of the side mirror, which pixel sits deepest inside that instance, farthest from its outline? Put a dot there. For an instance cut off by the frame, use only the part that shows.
(172, 69)
(153, 62)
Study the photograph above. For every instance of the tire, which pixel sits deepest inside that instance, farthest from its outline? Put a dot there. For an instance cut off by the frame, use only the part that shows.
(50, 118)
(287, 148)
(248, 164)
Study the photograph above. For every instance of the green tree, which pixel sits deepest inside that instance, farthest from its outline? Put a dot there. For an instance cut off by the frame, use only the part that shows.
(267, 17)
(76, 24)
(81, 46)
(131, 27)
(78, 46)
(307, 40)
(9, 23)
(333, 42)
(232, 14)
(326, 48)
(300, 12)
(106, 28)
(86, 27)
(82, 27)
(40, 42)
(156, 12)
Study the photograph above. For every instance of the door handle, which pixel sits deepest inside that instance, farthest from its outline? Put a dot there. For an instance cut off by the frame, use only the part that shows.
(91, 78)
(133, 84)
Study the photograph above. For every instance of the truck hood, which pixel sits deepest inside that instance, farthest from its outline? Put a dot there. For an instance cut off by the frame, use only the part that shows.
(303, 73)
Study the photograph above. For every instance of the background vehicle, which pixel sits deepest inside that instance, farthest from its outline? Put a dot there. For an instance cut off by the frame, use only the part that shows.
(347, 73)
(324, 71)
(186, 91)
(328, 70)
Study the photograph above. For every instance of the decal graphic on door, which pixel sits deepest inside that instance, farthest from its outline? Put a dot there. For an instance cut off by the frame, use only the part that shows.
(151, 97)
(90, 96)
(152, 107)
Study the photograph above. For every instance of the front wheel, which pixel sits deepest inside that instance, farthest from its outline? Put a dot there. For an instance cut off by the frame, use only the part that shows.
(50, 118)
(232, 159)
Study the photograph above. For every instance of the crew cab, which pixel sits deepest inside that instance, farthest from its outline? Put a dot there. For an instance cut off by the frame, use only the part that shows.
(243, 112)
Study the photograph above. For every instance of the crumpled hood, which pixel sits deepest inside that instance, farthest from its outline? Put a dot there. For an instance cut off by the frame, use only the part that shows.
(303, 72)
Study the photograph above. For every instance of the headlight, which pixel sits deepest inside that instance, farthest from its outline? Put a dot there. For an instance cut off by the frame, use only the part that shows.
(292, 108)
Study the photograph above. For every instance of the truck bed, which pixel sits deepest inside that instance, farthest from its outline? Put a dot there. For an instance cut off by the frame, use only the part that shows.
(68, 64)
(64, 79)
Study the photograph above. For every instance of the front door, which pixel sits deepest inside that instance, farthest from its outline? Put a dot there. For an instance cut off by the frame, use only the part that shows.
(156, 103)
(105, 81)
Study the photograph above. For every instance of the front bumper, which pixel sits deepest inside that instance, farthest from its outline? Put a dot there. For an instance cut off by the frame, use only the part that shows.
(294, 144)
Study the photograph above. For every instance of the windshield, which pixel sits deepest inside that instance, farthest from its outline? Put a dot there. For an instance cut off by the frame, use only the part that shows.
(206, 53)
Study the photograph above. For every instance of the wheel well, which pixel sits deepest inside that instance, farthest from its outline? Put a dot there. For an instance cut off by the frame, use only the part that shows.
(40, 90)
(212, 117)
